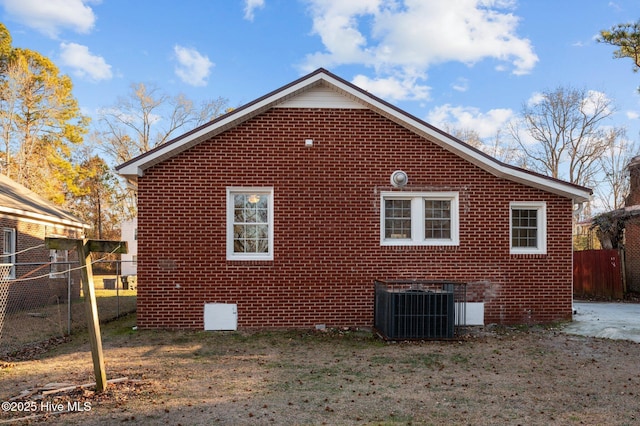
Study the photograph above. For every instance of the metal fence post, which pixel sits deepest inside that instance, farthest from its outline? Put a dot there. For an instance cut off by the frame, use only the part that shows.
(69, 299)
(117, 289)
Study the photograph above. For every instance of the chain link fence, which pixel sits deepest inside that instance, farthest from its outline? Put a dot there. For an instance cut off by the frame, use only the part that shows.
(47, 303)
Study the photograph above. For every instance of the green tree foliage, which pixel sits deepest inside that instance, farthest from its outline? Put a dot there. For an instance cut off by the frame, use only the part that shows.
(96, 197)
(627, 38)
(40, 121)
(5, 45)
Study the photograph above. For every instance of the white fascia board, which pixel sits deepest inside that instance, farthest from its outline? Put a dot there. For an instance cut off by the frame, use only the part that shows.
(42, 218)
(136, 168)
(486, 163)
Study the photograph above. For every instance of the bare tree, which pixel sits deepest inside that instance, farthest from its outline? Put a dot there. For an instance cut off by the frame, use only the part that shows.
(495, 146)
(502, 149)
(562, 133)
(148, 117)
(468, 136)
(615, 183)
(144, 119)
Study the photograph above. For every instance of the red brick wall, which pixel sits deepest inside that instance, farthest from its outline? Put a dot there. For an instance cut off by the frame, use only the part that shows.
(632, 254)
(327, 216)
(632, 230)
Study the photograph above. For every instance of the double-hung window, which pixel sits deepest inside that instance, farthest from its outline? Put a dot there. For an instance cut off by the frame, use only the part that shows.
(419, 218)
(250, 223)
(528, 227)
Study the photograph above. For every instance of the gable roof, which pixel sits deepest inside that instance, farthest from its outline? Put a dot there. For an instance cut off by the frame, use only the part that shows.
(324, 89)
(18, 201)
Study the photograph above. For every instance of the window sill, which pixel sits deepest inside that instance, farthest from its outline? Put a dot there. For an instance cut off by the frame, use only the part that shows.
(528, 255)
(249, 263)
(419, 247)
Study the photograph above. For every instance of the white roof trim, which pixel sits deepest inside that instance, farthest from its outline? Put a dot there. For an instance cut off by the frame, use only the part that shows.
(136, 167)
(42, 218)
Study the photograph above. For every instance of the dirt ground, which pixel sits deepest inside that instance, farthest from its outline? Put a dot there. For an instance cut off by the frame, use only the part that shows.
(501, 376)
(28, 328)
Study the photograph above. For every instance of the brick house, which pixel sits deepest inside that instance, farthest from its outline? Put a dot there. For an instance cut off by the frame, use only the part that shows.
(26, 219)
(620, 229)
(632, 228)
(289, 208)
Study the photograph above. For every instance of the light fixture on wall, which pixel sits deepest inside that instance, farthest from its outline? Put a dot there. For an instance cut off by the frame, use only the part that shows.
(253, 198)
(399, 178)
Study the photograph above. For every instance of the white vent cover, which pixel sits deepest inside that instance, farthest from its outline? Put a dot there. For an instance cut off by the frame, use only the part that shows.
(220, 316)
(399, 178)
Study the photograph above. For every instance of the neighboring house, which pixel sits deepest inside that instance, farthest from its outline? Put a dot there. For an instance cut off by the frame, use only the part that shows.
(129, 233)
(621, 229)
(291, 206)
(632, 228)
(26, 219)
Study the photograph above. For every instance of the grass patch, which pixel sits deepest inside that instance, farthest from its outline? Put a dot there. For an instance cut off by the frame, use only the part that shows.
(344, 377)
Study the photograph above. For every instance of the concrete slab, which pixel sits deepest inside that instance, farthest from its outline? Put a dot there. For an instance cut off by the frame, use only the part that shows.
(608, 320)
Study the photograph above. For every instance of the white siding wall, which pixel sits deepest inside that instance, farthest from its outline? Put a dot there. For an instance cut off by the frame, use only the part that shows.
(128, 232)
(320, 97)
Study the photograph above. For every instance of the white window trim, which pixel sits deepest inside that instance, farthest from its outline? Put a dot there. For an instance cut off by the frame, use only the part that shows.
(231, 255)
(541, 208)
(9, 253)
(417, 218)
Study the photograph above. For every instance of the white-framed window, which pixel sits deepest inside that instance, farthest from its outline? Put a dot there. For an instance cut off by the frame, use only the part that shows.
(419, 218)
(528, 227)
(9, 249)
(249, 223)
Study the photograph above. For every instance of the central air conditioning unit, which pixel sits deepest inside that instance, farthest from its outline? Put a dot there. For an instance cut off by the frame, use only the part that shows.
(415, 313)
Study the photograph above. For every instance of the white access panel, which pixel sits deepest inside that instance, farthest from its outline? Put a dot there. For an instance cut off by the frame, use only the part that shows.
(474, 313)
(220, 316)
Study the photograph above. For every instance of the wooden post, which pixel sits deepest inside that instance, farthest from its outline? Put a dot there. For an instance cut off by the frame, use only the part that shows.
(84, 249)
(91, 309)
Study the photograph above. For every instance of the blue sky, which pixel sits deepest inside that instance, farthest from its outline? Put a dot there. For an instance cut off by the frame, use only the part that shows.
(469, 63)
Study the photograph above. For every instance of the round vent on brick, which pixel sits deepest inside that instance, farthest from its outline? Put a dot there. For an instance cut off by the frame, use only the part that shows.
(399, 179)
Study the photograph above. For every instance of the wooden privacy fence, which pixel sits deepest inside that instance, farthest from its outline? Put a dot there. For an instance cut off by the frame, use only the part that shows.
(598, 274)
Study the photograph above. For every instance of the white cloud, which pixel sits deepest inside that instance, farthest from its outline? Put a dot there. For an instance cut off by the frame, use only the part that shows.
(469, 118)
(535, 99)
(84, 63)
(596, 101)
(406, 37)
(633, 115)
(461, 85)
(392, 88)
(193, 68)
(250, 6)
(51, 16)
